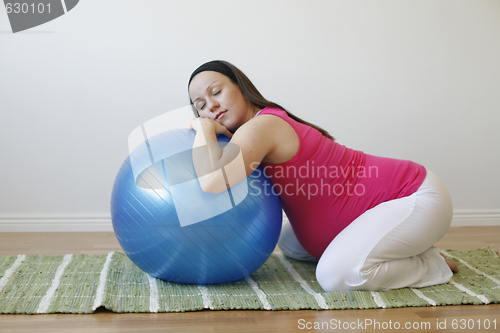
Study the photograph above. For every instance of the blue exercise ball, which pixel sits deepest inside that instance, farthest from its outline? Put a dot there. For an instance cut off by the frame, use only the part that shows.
(174, 231)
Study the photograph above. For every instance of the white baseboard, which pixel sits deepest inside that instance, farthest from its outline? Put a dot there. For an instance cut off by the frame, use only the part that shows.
(102, 222)
(470, 217)
(56, 223)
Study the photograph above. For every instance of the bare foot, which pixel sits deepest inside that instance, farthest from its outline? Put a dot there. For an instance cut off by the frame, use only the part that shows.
(454, 267)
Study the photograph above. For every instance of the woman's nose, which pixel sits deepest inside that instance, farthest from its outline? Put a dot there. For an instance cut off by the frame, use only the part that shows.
(214, 106)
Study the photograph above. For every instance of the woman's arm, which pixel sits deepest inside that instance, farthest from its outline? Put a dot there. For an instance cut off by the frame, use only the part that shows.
(217, 169)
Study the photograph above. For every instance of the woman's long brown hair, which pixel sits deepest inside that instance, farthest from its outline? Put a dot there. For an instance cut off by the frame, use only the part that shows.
(255, 97)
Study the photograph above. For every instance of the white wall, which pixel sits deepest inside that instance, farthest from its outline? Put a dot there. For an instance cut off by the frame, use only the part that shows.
(417, 80)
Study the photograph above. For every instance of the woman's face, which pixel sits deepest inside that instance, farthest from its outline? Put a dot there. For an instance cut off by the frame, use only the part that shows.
(216, 97)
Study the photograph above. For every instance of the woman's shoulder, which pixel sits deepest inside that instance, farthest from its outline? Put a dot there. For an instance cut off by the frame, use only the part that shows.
(270, 117)
(269, 110)
(264, 122)
(271, 134)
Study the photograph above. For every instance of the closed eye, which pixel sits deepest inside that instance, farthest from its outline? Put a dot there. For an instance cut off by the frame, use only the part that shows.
(214, 94)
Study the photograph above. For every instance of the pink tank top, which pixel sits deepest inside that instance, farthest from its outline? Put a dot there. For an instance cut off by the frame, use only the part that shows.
(326, 186)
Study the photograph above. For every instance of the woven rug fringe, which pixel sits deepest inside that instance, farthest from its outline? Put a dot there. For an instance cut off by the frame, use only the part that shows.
(32, 284)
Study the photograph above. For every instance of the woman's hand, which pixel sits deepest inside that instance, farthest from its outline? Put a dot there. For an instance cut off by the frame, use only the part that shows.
(209, 125)
(207, 153)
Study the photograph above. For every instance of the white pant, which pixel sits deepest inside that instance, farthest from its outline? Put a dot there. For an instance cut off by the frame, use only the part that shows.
(388, 246)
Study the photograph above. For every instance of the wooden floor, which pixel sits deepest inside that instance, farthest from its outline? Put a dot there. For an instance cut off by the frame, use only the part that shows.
(428, 319)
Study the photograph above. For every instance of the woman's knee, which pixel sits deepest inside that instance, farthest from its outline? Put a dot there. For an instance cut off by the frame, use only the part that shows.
(347, 279)
(335, 273)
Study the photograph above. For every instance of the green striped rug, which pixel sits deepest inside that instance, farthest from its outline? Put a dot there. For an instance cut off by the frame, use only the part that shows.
(82, 283)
